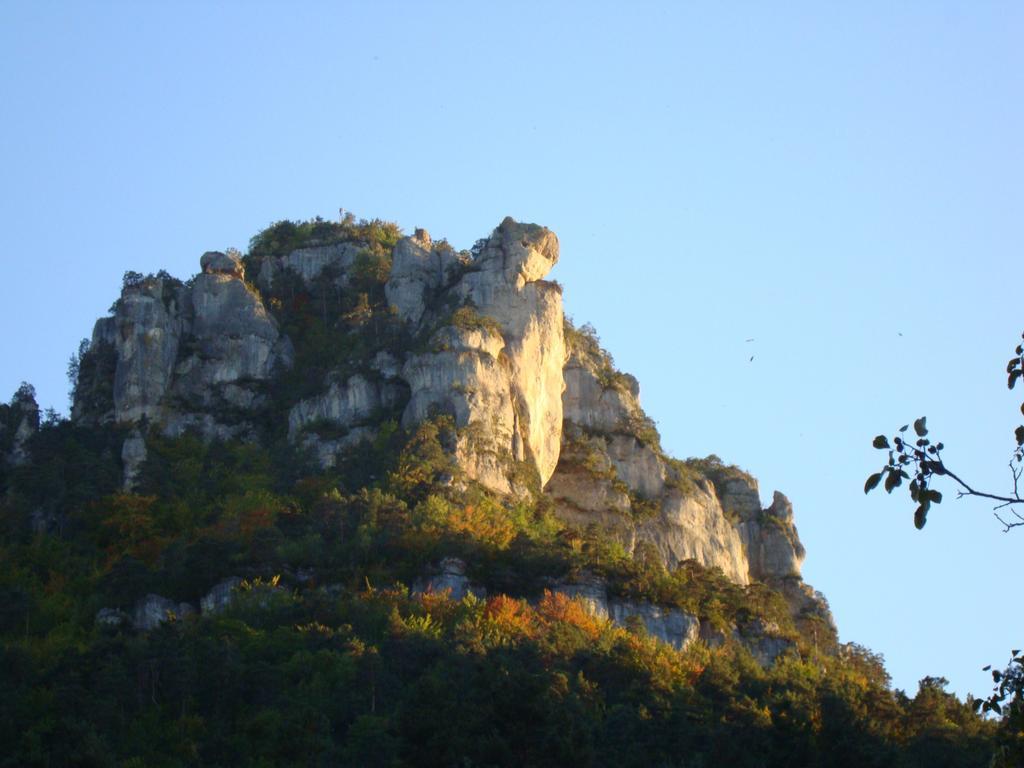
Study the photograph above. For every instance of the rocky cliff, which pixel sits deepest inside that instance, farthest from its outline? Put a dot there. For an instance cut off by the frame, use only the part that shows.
(476, 336)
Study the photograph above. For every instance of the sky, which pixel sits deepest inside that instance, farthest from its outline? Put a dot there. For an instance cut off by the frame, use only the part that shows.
(841, 183)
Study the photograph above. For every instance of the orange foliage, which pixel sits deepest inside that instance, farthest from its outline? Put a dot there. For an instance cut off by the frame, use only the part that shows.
(510, 617)
(483, 525)
(555, 606)
(245, 515)
(439, 604)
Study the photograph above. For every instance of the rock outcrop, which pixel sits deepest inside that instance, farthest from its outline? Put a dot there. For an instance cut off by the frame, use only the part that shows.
(450, 578)
(188, 355)
(495, 364)
(19, 422)
(220, 597)
(133, 456)
(332, 261)
(613, 473)
(154, 610)
(670, 625)
(538, 406)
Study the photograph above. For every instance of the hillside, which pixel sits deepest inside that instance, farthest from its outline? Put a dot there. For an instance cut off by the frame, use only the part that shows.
(357, 498)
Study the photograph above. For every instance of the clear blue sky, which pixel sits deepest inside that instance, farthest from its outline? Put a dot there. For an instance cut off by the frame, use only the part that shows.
(821, 177)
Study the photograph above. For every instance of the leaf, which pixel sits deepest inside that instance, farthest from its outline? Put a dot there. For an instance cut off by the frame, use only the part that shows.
(919, 427)
(880, 442)
(904, 428)
(1012, 365)
(1019, 434)
(872, 482)
(891, 481)
(1012, 379)
(986, 668)
(935, 496)
(920, 517)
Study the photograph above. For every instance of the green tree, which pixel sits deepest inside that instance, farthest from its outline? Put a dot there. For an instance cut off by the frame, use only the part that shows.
(919, 460)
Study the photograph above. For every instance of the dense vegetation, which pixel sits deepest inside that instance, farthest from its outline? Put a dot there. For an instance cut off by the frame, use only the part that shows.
(325, 656)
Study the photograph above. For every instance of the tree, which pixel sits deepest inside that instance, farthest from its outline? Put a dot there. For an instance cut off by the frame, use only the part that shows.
(920, 461)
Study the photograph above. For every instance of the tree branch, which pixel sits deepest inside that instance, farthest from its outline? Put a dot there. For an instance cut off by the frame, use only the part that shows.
(1007, 500)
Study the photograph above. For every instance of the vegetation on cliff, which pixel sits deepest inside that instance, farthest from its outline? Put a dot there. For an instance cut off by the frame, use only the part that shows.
(318, 640)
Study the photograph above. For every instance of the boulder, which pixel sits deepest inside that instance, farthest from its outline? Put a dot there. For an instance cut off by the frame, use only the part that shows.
(111, 618)
(217, 263)
(133, 456)
(451, 578)
(154, 610)
(219, 599)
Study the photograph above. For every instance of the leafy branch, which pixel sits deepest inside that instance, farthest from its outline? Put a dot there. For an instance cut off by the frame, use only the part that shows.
(1008, 684)
(919, 461)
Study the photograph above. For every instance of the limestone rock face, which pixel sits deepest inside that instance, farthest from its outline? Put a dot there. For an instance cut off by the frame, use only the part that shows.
(348, 407)
(153, 610)
(691, 526)
(220, 597)
(418, 270)
(344, 404)
(184, 354)
(764, 641)
(501, 379)
(24, 415)
(591, 404)
(146, 332)
(451, 578)
(508, 288)
(614, 474)
(333, 262)
(111, 618)
(670, 625)
(773, 547)
(465, 379)
(234, 339)
(217, 263)
(133, 455)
